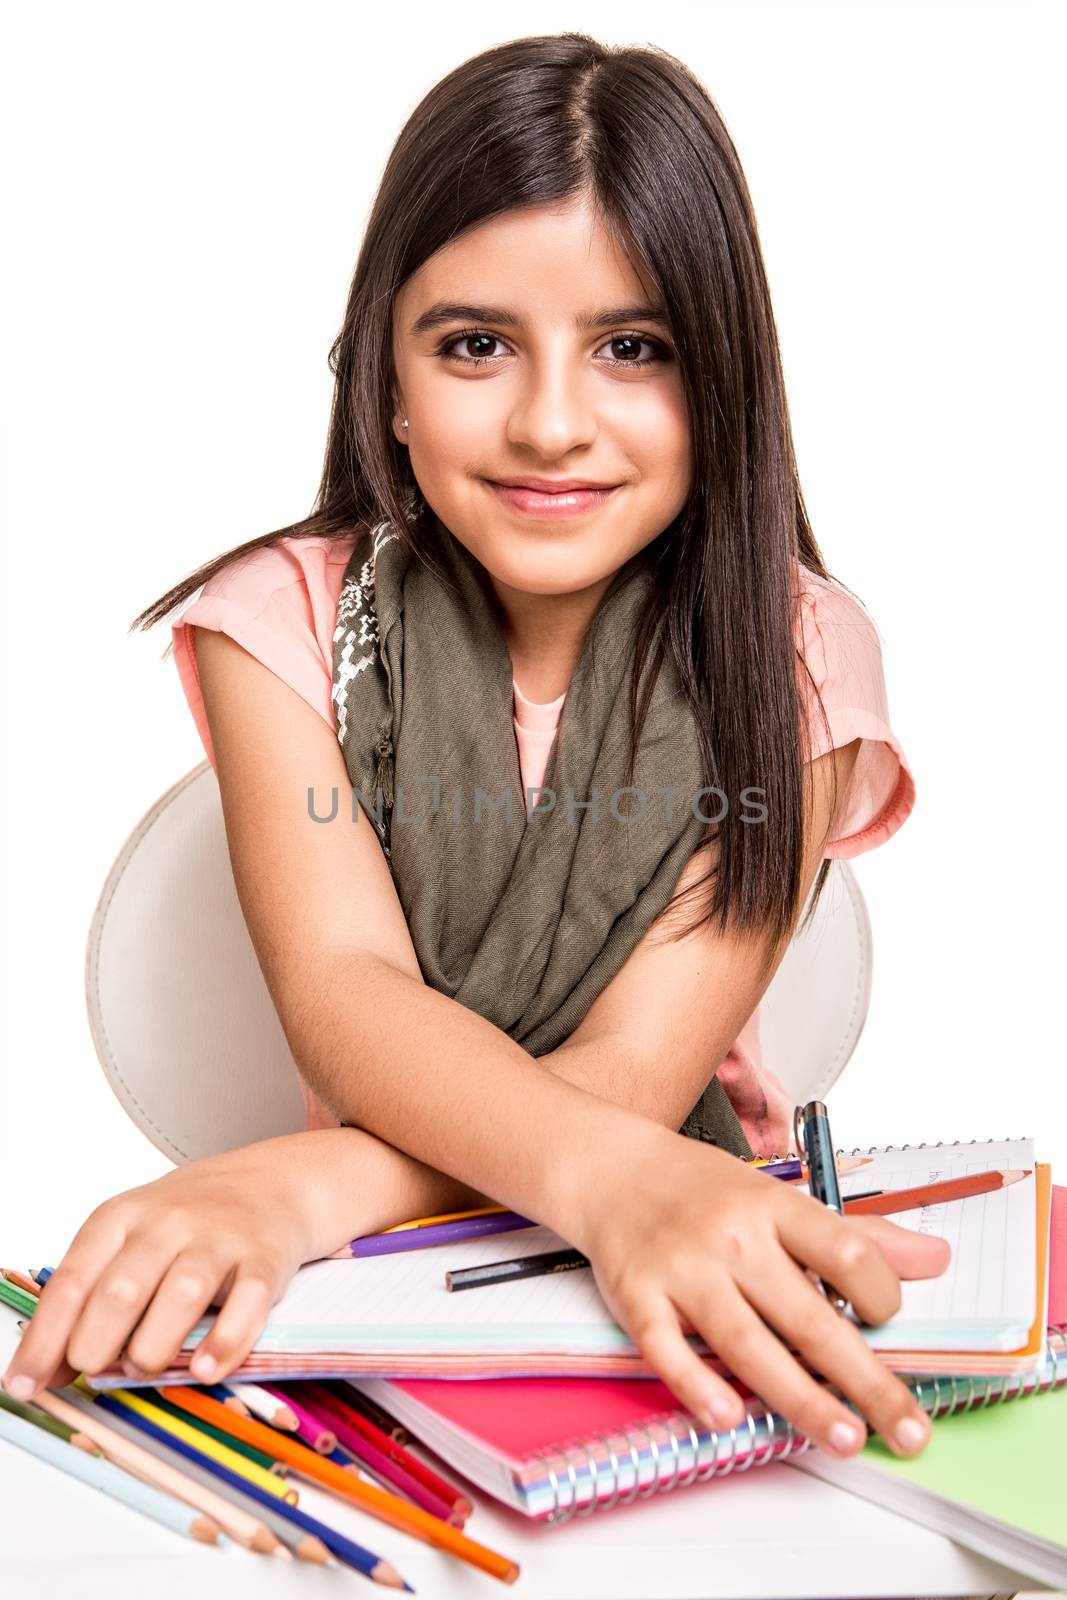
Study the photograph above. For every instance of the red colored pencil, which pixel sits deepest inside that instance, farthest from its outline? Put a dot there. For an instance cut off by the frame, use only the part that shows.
(931, 1194)
(457, 1503)
(373, 1461)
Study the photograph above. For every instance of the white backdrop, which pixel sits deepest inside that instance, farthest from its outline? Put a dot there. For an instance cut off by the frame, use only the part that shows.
(184, 195)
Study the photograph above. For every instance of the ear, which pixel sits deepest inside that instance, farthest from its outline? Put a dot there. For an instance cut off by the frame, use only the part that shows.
(400, 433)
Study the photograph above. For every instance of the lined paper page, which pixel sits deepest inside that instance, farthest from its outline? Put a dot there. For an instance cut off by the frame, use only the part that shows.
(399, 1303)
(991, 1281)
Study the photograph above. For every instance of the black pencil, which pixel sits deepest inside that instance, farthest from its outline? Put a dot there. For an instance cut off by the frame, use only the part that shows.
(534, 1266)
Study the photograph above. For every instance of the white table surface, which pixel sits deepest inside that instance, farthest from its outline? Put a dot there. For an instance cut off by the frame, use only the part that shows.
(771, 1532)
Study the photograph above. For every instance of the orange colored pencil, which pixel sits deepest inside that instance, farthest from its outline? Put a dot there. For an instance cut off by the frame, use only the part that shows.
(377, 1502)
(931, 1194)
(22, 1281)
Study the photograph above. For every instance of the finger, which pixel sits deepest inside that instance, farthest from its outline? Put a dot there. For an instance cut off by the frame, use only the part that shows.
(181, 1299)
(836, 1348)
(116, 1304)
(732, 1328)
(238, 1324)
(653, 1324)
(844, 1255)
(910, 1254)
(43, 1347)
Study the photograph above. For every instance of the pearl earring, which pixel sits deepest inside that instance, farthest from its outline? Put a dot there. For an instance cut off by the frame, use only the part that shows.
(404, 423)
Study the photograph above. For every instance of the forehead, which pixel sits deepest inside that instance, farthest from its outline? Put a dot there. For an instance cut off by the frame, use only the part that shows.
(558, 262)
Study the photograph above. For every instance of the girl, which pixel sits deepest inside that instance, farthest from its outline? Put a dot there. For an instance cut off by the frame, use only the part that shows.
(559, 547)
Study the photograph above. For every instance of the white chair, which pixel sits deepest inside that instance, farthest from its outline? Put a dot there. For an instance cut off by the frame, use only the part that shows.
(187, 1033)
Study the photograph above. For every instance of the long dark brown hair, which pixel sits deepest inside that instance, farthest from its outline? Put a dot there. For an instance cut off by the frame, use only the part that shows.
(549, 119)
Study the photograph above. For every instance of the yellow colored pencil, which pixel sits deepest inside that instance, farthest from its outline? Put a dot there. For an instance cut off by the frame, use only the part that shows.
(207, 1446)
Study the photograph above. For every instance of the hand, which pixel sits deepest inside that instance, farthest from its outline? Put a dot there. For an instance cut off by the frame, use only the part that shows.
(147, 1264)
(694, 1236)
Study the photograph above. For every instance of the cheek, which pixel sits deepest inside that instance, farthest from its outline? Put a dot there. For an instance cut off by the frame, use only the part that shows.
(658, 440)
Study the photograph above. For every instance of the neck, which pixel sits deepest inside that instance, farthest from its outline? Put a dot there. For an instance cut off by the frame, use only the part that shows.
(545, 634)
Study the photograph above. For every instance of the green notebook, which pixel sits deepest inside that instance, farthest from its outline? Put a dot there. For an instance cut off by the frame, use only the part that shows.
(994, 1479)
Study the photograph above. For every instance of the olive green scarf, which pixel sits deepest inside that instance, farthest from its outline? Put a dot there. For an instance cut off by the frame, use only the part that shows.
(523, 920)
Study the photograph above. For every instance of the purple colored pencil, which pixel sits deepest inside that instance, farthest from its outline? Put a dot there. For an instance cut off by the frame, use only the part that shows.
(434, 1233)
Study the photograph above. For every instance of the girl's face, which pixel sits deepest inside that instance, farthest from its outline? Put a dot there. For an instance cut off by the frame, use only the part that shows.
(529, 348)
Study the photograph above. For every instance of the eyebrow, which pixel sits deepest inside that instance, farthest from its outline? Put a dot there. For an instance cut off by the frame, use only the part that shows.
(446, 311)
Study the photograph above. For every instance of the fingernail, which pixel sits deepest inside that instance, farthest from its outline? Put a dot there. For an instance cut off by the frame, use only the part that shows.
(131, 1369)
(846, 1437)
(911, 1434)
(203, 1365)
(20, 1387)
(719, 1411)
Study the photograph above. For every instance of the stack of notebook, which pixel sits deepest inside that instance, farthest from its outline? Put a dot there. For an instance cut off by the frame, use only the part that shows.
(392, 1316)
(567, 1418)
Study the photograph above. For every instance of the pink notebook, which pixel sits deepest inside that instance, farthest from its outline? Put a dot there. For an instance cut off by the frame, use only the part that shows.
(552, 1446)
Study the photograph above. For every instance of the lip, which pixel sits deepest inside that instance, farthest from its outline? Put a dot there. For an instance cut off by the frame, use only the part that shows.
(549, 499)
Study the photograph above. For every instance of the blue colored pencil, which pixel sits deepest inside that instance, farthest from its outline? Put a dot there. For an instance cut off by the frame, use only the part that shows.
(346, 1550)
(112, 1480)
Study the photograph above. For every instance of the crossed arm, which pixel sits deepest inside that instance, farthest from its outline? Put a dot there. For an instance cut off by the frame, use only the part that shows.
(462, 1113)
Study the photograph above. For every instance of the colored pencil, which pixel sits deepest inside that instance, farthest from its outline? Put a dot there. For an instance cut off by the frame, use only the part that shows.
(181, 1428)
(11, 1295)
(42, 1274)
(932, 1194)
(257, 1402)
(110, 1480)
(245, 1529)
(884, 1203)
(337, 1544)
(42, 1419)
(377, 1502)
(427, 1233)
(446, 1216)
(250, 1453)
(432, 1234)
(383, 1419)
(458, 1504)
(538, 1265)
(20, 1280)
(223, 1392)
(309, 1427)
(278, 1515)
(379, 1462)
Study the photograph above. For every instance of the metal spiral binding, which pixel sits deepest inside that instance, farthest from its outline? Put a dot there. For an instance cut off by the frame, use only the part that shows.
(571, 1464)
(886, 1149)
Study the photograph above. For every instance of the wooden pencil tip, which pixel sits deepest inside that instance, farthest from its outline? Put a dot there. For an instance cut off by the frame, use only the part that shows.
(385, 1572)
(311, 1548)
(205, 1530)
(264, 1542)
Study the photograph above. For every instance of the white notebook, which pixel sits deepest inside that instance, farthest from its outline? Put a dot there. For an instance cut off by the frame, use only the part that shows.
(395, 1312)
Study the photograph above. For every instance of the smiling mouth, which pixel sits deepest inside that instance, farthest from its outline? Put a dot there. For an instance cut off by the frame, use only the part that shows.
(546, 503)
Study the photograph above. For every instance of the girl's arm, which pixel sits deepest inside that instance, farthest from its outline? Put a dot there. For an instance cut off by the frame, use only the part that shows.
(679, 1234)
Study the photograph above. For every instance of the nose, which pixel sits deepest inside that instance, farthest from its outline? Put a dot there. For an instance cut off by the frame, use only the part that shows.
(553, 411)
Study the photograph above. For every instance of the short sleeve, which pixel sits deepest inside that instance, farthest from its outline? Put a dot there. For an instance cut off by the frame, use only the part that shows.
(842, 649)
(279, 603)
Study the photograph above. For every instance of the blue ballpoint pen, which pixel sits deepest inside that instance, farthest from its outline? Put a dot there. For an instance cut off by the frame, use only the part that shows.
(811, 1131)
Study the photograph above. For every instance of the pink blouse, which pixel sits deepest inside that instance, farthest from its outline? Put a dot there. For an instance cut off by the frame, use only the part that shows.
(280, 604)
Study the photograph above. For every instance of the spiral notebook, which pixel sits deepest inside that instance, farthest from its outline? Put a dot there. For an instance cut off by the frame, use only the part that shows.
(393, 1316)
(553, 1447)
